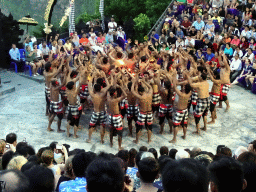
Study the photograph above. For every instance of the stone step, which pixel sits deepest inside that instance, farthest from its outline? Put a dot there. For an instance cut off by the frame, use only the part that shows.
(39, 78)
(5, 89)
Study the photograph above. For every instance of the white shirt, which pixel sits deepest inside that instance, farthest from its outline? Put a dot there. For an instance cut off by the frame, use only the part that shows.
(236, 65)
(38, 53)
(112, 26)
(192, 41)
(92, 41)
(182, 44)
(33, 39)
(240, 53)
(120, 34)
(251, 57)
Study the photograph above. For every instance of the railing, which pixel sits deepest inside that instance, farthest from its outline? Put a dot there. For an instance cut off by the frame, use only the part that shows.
(159, 21)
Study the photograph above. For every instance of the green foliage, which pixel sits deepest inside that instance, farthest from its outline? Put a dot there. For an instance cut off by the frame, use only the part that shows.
(39, 31)
(142, 26)
(86, 17)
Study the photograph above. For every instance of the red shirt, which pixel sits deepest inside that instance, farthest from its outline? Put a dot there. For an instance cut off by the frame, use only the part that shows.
(186, 24)
(215, 60)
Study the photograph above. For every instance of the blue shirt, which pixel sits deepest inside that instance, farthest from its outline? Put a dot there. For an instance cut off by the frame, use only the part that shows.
(15, 54)
(180, 34)
(209, 57)
(228, 51)
(77, 185)
(197, 25)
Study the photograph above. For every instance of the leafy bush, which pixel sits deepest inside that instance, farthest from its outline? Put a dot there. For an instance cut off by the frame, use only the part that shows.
(86, 17)
(141, 27)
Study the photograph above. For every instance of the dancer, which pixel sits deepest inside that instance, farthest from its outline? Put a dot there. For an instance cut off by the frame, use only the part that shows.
(225, 78)
(114, 116)
(215, 92)
(98, 96)
(202, 87)
(74, 107)
(55, 105)
(145, 102)
(181, 113)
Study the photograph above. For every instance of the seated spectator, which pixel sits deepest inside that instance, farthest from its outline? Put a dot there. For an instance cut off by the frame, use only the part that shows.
(172, 153)
(199, 24)
(68, 46)
(224, 168)
(228, 50)
(15, 57)
(179, 33)
(54, 47)
(192, 32)
(249, 175)
(252, 44)
(209, 55)
(164, 151)
(235, 42)
(132, 155)
(47, 160)
(68, 174)
(218, 38)
(154, 37)
(45, 50)
(93, 44)
(7, 158)
(199, 36)
(185, 175)
(244, 43)
(80, 163)
(41, 179)
(109, 38)
(28, 42)
(166, 27)
(199, 54)
(11, 138)
(84, 40)
(209, 27)
(39, 56)
(226, 39)
(246, 33)
(247, 157)
(75, 39)
(233, 30)
(249, 55)
(252, 146)
(204, 159)
(245, 71)
(17, 162)
(154, 152)
(14, 181)
(171, 39)
(189, 42)
(104, 175)
(31, 60)
(148, 170)
(162, 39)
(239, 52)
(186, 24)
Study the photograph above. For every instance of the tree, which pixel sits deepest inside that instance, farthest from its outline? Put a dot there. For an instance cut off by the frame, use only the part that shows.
(141, 27)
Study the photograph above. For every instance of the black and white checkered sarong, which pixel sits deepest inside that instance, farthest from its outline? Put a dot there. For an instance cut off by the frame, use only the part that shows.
(156, 99)
(225, 89)
(132, 110)
(115, 121)
(179, 116)
(84, 93)
(74, 110)
(214, 98)
(98, 118)
(123, 104)
(47, 93)
(194, 97)
(145, 118)
(165, 109)
(56, 107)
(202, 107)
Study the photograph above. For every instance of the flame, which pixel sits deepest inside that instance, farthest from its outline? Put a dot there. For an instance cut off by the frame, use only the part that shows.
(121, 62)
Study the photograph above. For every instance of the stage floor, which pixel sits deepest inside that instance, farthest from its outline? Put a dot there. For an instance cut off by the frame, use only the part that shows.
(23, 112)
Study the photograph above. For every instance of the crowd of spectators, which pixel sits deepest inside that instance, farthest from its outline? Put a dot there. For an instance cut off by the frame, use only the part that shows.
(208, 28)
(57, 168)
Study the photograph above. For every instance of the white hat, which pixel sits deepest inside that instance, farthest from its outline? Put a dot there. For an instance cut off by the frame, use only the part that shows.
(214, 6)
(182, 154)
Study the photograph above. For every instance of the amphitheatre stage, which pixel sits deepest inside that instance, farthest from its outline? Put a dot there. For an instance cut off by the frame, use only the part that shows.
(23, 112)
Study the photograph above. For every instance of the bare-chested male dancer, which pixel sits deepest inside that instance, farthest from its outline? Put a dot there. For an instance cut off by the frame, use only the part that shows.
(56, 107)
(181, 113)
(225, 78)
(99, 116)
(145, 105)
(74, 107)
(114, 116)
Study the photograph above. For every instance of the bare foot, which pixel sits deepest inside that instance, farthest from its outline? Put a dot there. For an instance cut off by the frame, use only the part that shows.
(220, 106)
(60, 131)
(75, 136)
(111, 145)
(79, 127)
(130, 134)
(215, 117)
(183, 137)
(69, 135)
(203, 128)
(50, 129)
(88, 141)
(121, 148)
(136, 142)
(161, 132)
(149, 141)
(102, 141)
(172, 141)
(227, 108)
(196, 132)
(211, 122)
(46, 114)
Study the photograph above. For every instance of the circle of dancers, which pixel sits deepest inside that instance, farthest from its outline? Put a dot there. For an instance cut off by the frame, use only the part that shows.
(133, 83)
